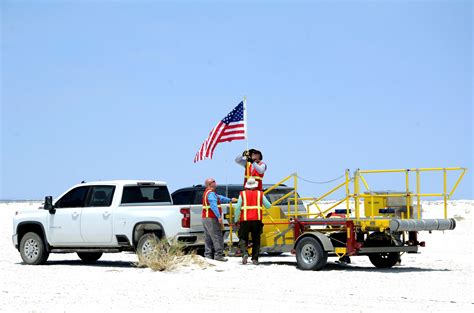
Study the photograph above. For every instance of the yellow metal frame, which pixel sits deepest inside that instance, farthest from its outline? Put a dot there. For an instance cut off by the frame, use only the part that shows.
(359, 175)
(360, 179)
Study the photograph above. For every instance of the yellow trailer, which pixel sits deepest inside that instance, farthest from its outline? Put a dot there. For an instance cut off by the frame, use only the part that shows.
(386, 227)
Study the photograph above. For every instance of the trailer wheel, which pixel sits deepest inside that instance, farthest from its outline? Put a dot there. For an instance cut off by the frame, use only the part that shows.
(383, 259)
(310, 255)
(89, 257)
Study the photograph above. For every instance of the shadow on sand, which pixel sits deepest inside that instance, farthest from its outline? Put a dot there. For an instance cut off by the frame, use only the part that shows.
(330, 266)
(111, 264)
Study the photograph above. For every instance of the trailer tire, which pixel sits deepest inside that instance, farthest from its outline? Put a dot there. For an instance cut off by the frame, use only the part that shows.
(89, 257)
(384, 260)
(310, 255)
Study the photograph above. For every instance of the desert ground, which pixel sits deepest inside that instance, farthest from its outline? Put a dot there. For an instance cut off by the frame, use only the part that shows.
(439, 279)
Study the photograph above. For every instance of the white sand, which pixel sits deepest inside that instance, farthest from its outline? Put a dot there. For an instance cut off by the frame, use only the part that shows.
(439, 279)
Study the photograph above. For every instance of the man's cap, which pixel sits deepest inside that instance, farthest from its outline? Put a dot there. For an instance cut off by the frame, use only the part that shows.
(251, 151)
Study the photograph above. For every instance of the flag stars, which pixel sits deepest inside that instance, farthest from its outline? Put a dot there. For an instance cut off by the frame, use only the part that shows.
(237, 115)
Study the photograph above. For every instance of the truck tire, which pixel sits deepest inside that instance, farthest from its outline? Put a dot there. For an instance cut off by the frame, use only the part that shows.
(89, 257)
(145, 246)
(33, 250)
(310, 255)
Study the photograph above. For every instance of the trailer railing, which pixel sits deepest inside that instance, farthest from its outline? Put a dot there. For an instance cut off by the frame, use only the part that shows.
(359, 176)
(359, 180)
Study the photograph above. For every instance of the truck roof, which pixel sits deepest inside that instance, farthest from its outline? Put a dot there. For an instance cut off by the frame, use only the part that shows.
(125, 182)
(233, 186)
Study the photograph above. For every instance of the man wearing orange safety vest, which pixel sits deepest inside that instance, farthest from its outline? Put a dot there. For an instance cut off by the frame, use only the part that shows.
(251, 160)
(249, 212)
(212, 221)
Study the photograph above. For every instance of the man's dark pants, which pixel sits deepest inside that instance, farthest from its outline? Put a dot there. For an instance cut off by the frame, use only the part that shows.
(255, 228)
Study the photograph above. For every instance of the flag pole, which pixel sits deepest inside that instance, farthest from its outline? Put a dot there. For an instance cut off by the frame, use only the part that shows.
(245, 119)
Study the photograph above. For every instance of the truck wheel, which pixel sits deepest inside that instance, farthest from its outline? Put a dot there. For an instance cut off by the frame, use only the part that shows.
(145, 247)
(310, 255)
(89, 257)
(32, 249)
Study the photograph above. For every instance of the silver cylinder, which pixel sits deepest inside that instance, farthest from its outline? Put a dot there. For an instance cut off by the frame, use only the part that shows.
(422, 225)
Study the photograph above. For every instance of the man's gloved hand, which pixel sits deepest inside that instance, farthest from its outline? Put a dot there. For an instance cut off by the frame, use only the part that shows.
(249, 159)
(246, 153)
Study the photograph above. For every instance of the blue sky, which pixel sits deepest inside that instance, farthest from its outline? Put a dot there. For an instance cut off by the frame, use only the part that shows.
(129, 90)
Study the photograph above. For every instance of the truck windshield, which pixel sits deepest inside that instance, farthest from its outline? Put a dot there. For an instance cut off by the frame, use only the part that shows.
(145, 194)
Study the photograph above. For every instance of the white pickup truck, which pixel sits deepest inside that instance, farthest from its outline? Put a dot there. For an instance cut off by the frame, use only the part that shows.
(109, 216)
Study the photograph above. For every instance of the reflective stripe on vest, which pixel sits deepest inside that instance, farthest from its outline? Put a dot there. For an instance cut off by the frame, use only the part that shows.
(206, 208)
(256, 205)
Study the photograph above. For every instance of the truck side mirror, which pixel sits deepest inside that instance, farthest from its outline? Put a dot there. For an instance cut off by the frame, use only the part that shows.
(48, 204)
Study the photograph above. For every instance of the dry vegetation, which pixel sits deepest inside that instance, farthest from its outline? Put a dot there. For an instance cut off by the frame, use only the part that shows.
(170, 256)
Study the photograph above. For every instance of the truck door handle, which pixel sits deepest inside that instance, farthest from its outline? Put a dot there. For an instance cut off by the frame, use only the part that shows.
(75, 214)
(106, 214)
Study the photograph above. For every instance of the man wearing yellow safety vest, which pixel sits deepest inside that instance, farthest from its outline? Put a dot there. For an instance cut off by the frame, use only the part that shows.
(212, 221)
(248, 212)
(251, 160)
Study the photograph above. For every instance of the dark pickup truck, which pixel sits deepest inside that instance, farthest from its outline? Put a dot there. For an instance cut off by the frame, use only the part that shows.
(192, 197)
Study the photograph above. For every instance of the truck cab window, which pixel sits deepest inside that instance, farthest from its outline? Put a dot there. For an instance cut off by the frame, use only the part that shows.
(101, 196)
(182, 197)
(74, 198)
(145, 194)
(234, 192)
(198, 196)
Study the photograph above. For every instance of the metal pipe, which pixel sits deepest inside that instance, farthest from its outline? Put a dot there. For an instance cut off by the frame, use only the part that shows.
(334, 205)
(296, 193)
(362, 178)
(429, 194)
(282, 198)
(330, 191)
(397, 225)
(407, 183)
(277, 184)
(389, 195)
(231, 222)
(445, 195)
(418, 193)
(371, 205)
(412, 169)
(440, 169)
(381, 171)
(356, 195)
(457, 183)
(400, 195)
(347, 192)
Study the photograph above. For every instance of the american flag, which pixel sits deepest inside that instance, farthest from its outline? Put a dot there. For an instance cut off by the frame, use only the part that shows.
(232, 127)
